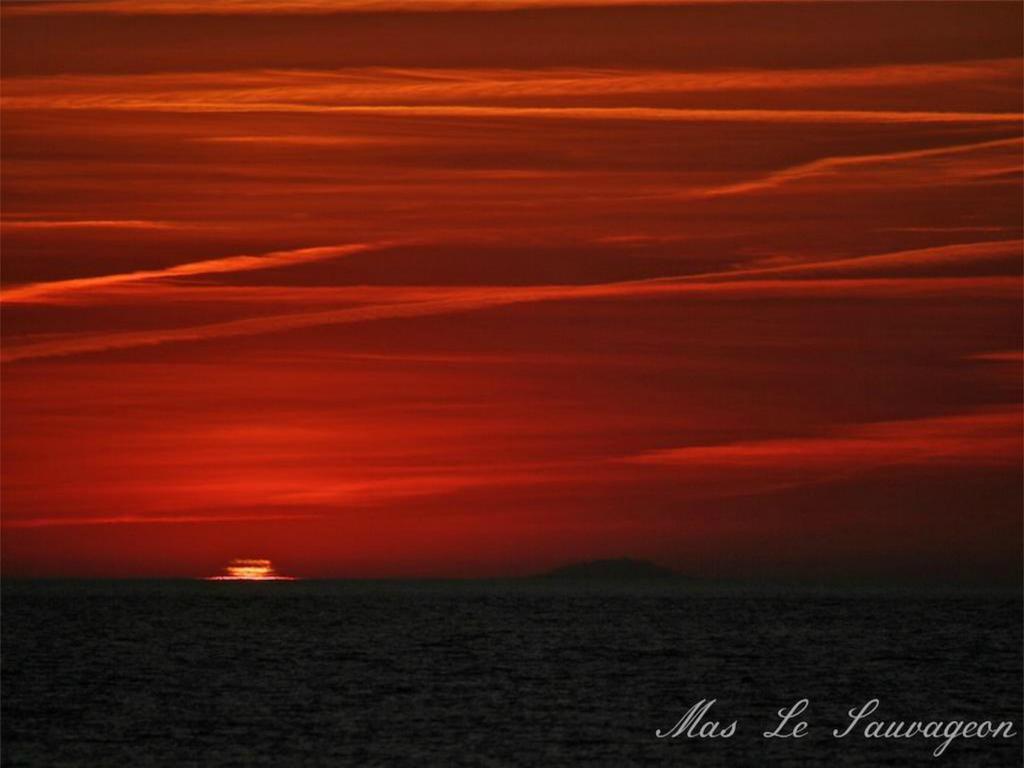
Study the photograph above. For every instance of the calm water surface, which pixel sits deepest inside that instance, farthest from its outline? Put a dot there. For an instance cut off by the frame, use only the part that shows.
(518, 674)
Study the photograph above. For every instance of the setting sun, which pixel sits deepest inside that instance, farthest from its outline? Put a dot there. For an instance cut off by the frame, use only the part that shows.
(249, 569)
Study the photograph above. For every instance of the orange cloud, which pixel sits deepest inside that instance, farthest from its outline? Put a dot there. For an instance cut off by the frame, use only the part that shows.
(1007, 356)
(437, 92)
(980, 439)
(51, 522)
(243, 263)
(233, 7)
(213, 103)
(88, 224)
(830, 166)
(896, 263)
(397, 86)
(864, 288)
(474, 299)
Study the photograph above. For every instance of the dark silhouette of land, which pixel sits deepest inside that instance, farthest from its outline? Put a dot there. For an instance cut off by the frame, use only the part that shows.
(616, 569)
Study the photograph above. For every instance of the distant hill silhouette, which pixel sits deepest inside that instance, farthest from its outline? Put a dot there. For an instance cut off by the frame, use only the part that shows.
(616, 569)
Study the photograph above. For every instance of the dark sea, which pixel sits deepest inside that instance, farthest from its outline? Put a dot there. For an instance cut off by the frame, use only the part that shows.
(174, 673)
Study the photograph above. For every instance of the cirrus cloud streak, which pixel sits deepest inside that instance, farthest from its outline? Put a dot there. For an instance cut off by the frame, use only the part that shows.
(478, 298)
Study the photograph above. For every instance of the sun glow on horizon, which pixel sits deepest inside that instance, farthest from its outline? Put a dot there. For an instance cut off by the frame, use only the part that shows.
(249, 569)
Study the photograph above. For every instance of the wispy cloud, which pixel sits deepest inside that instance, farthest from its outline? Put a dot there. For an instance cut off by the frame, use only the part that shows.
(44, 224)
(267, 295)
(199, 104)
(449, 87)
(471, 299)
(979, 439)
(1005, 356)
(895, 263)
(235, 7)
(486, 93)
(87, 520)
(1004, 162)
(242, 263)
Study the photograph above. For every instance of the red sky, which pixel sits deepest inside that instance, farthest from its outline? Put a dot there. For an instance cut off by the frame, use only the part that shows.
(477, 288)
